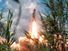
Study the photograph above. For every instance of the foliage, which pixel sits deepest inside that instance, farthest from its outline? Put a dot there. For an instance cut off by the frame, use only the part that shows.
(58, 17)
(9, 36)
(57, 20)
(4, 47)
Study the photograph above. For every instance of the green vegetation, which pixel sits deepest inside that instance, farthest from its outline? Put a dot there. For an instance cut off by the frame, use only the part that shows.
(6, 34)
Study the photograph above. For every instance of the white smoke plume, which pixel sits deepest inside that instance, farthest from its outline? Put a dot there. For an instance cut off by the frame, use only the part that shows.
(27, 8)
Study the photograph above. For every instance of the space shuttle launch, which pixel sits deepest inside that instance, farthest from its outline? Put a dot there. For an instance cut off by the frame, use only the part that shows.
(33, 15)
(34, 32)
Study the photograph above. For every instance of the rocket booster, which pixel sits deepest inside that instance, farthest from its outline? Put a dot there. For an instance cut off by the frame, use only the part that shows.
(33, 15)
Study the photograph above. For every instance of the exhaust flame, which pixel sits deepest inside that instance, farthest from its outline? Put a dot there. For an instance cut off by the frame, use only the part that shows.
(32, 39)
(34, 33)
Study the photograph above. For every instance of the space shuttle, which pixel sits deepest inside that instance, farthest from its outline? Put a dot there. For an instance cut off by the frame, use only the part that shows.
(33, 14)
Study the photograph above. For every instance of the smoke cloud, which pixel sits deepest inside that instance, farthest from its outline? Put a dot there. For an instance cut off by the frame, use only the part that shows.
(25, 20)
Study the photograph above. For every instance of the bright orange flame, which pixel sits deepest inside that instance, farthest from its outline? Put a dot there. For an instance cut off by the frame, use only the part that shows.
(34, 33)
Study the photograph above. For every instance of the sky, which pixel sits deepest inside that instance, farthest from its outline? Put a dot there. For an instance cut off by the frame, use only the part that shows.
(27, 7)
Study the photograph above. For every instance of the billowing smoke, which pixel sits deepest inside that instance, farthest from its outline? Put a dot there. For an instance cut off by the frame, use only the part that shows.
(27, 7)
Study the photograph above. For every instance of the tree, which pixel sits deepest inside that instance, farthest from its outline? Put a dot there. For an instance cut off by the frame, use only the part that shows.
(57, 20)
(7, 35)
